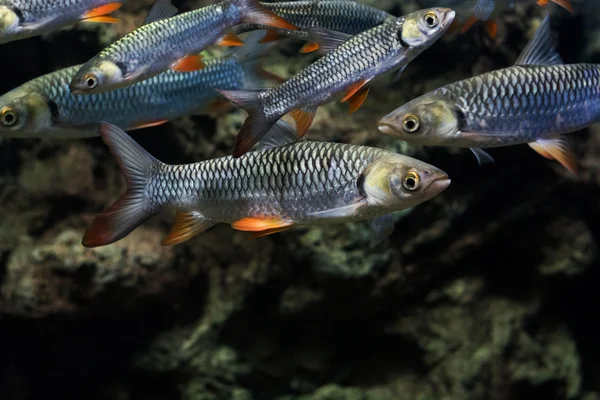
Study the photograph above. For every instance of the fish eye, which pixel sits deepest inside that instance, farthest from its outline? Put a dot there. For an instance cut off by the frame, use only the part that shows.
(431, 19)
(411, 181)
(90, 81)
(8, 117)
(411, 123)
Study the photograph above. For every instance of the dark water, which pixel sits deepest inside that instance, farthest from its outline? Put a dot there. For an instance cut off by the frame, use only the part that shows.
(487, 291)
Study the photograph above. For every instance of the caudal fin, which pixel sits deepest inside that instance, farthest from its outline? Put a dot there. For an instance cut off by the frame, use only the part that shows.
(255, 126)
(254, 13)
(133, 207)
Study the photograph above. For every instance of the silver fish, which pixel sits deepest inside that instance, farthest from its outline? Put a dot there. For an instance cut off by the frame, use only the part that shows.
(535, 101)
(21, 19)
(284, 183)
(169, 43)
(44, 107)
(351, 63)
(345, 16)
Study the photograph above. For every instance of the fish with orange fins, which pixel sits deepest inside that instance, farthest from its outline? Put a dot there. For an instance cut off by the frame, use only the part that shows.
(284, 183)
(21, 19)
(536, 101)
(484, 10)
(348, 68)
(168, 41)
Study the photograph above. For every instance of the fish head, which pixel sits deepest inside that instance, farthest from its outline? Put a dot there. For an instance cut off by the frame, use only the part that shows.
(425, 121)
(423, 27)
(9, 22)
(396, 182)
(97, 76)
(24, 115)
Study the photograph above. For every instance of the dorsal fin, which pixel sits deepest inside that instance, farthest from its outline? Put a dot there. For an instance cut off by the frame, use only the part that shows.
(162, 9)
(541, 48)
(280, 134)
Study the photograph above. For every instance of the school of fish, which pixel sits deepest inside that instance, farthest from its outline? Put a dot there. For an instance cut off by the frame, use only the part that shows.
(275, 179)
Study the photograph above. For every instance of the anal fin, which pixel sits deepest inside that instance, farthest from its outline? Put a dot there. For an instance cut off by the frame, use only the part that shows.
(99, 14)
(309, 47)
(304, 118)
(187, 225)
(230, 39)
(556, 149)
(189, 63)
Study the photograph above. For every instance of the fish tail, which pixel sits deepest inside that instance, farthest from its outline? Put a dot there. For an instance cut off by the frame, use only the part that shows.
(250, 58)
(257, 123)
(254, 13)
(133, 207)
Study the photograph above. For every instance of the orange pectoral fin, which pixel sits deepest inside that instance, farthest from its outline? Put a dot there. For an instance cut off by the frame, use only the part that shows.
(304, 118)
(142, 125)
(230, 39)
(492, 28)
(352, 90)
(309, 47)
(556, 149)
(358, 99)
(262, 226)
(98, 14)
(189, 64)
(187, 225)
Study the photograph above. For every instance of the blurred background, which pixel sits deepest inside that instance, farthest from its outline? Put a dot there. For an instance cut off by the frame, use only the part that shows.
(488, 291)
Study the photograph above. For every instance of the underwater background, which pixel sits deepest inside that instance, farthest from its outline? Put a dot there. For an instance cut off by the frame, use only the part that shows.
(488, 291)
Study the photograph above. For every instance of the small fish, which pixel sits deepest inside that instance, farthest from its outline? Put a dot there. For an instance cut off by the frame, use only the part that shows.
(484, 10)
(167, 42)
(536, 101)
(350, 65)
(44, 107)
(345, 16)
(21, 19)
(284, 183)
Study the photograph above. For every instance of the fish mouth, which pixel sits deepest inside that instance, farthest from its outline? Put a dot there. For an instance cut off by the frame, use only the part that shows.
(438, 185)
(449, 16)
(387, 129)
(75, 90)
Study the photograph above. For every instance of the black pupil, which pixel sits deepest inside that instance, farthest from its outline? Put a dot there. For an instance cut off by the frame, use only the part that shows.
(91, 82)
(410, 182)
(430, 21)
(410, 124)
(9, 118)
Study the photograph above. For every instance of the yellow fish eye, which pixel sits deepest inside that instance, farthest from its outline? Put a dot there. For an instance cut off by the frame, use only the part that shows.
(90, 81)
(410, 123)
(411, 181)
(431, 19)
(8, 117)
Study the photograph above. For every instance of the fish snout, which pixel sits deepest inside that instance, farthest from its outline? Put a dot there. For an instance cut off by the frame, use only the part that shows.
(438, 181)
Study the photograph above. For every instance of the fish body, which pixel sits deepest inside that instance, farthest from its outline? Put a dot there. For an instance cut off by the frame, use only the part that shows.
(347, 67)
(45, 107)
(168, 43)
(281, 185)
(21, 19)
(345, 16)
(535, 102)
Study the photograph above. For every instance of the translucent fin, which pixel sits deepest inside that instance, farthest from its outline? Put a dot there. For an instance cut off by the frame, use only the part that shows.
(304, 118)
(255, 126)
(482, 156)
(133, 208)
(254, 13)
(187, 225)
(281, 134)
(327, 39)
(266, 232)
(103, 19)
(399, 74)
(162, 9)
(189, 63)
(541, 48)
(383, 226)
(148, 124)
(250, 57)
(341, 212)
(556, 149)
(484, 9)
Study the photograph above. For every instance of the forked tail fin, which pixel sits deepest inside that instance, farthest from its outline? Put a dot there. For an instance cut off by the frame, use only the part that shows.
(134, 206)
(255, 13)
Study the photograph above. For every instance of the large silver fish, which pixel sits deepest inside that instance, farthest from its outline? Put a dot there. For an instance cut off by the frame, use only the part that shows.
(535, 102)
(350, 65)
(21, 19)
(44, 107)
(345, 16)
(169, 43)
(284, 183)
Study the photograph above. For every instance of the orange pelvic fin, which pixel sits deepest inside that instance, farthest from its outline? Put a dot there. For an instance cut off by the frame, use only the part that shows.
(358, 99)
(189, 64)
(271, 36)
(187, 225)
(262, 225)
(352, 90)
(99, 14)
(230, 39)
(304, 118)
(150, 124)
(309, 47)
(556, 149)
(491, 27)
(472, 20)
